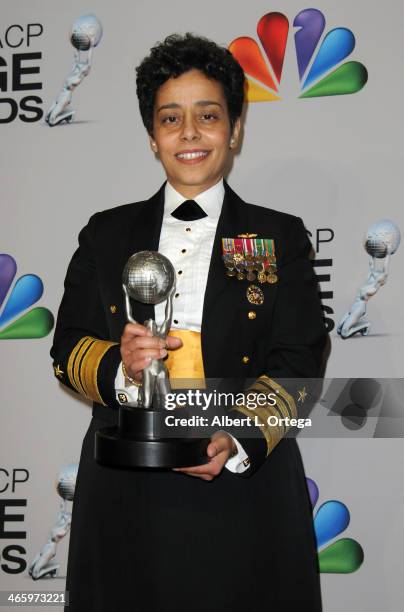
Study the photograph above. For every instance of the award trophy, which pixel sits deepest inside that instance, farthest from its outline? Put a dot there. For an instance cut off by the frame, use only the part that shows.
(142, 439)
(381, 241)
(85, 35)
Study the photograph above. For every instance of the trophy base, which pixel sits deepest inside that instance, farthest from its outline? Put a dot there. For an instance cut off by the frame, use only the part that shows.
(113, 449)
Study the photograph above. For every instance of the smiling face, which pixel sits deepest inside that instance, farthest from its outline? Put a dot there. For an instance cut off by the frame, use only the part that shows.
(191, 132)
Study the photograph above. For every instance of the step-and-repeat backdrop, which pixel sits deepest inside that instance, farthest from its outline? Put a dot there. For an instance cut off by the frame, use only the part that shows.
(322, 139)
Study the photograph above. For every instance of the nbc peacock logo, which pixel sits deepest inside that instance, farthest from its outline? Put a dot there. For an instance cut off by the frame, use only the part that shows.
(319, 58)
(342, 556)
(27, 290)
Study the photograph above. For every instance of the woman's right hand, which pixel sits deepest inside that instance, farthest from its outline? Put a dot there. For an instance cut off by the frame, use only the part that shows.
(139, 347)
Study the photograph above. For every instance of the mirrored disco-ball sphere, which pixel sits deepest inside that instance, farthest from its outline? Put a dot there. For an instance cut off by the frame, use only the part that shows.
(66, 481)
(382, 238)
(149, 277)
(86, 32)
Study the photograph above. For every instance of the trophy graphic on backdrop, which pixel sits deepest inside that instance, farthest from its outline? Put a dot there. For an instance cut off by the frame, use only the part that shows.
(142, 438)
(86, 34)
(44, 563)
(381, 241)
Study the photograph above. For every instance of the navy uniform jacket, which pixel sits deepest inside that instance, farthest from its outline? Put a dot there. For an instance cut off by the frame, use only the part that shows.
(286, 338)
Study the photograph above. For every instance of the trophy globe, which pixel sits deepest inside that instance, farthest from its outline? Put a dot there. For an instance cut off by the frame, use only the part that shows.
(382, 238)
(148, 277)
(86, 32)
(66, 481)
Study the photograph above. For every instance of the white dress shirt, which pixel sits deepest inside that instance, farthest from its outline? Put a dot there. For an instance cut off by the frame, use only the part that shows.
(188, 245)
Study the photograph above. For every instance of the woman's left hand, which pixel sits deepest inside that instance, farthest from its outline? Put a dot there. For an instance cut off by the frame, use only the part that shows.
(220, 448)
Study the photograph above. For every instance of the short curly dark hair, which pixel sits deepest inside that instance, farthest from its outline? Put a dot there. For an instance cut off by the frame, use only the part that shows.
(178, 54)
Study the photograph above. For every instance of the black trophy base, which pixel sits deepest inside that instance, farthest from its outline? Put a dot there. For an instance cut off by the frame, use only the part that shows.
(143, 440)
(113, 450)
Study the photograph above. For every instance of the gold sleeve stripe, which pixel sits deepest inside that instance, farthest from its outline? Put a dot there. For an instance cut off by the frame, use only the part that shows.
(270, 411)
(282, 410)
(285, 407)
(264, 384)
(280, 407)
(272, 435)
(89, 368)
(79, 362)
(281, 391)
(248, 413)
(83, 366)
(72, 373)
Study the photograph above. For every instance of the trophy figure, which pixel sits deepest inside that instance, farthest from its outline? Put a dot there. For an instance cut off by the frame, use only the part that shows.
(44, 563)
(86, 33)
(142, 438)
(149, 277)
(381, 241)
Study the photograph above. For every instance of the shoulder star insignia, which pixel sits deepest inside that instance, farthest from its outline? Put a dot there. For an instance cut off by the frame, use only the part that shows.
(302, 395)
(58, 372)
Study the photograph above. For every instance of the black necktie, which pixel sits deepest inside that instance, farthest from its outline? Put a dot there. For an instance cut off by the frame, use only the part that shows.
(189, 211)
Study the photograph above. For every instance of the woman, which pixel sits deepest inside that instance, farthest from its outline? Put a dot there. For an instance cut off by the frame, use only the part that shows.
(235, 533)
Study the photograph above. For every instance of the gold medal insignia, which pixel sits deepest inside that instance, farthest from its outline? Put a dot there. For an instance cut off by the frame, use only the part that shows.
(255, 295)
(272, 278)
(262, 277)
